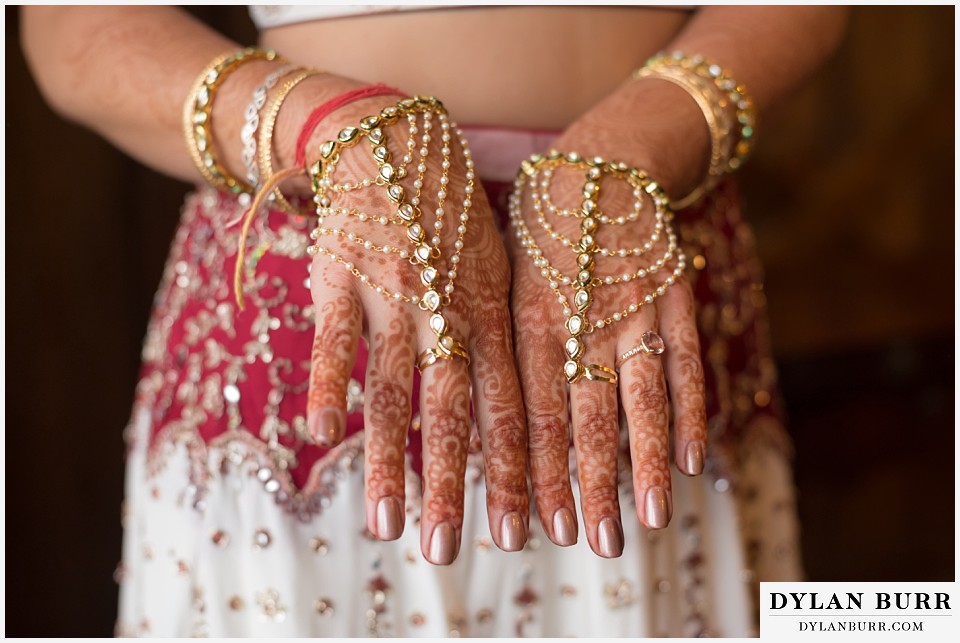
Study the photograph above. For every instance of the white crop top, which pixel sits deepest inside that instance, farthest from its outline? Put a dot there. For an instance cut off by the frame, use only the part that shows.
(276, 15)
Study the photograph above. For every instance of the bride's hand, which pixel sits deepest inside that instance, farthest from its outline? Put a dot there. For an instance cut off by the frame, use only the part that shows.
(366, 279)
(648, 383)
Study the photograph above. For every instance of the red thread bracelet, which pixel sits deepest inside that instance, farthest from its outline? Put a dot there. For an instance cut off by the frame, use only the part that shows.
(327, 108)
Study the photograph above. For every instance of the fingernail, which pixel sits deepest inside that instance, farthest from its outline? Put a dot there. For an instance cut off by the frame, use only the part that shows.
(611, 538)
(513, 535)
(658, 508)
(695, 458)
(443, 544)
(326, 427)
(389, 519)
(564, 528)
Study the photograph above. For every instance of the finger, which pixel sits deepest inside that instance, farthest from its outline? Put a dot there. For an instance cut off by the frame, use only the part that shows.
(386, 417)
(684, 371)
(338, 321)
(498, 408)
(540, 359)
(595, 437)
(445, 426)
(643, 393)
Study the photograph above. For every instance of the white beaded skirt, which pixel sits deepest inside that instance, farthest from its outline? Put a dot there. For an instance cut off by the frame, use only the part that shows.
(237, 564)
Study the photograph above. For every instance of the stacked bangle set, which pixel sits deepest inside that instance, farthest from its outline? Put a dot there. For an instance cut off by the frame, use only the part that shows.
(726, 105)
(429, 131)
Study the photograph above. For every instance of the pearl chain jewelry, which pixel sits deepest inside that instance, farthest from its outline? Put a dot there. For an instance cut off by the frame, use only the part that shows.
(425, 247)
(590, 191)
(586, 248)
(589, 187)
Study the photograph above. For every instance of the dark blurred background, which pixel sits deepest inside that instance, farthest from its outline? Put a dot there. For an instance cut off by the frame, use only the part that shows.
(851, 191)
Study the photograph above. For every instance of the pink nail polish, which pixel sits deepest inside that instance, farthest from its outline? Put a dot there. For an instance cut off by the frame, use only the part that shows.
(610, 537)
(443, 544)
(657, 507)
(694, 461)
(327, 427)
(513, 533)
(389, 519)
(564, 527)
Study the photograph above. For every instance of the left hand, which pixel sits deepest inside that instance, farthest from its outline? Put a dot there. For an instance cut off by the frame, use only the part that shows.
(648, 384)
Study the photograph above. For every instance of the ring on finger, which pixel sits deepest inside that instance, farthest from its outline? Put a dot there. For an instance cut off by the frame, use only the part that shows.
(430, 356)
(650, 344)
(599, 373)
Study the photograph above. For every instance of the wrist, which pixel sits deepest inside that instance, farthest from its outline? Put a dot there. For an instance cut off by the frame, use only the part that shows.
(320, 113)
(303, 99)
(651, 124)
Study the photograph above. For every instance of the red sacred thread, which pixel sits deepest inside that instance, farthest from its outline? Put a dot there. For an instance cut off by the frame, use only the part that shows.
(335, 103)
(311, 123)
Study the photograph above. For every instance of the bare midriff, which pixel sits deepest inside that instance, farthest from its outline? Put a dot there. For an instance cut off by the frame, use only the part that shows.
(537, 67)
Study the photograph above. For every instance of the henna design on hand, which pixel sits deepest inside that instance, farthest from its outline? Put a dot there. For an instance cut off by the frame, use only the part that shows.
(501, 423)
(540, 359)
(539, 325)
(685, 377)
(478, 317)
(596, 432)
(445, 413)
(387, 411)
(331, 360)
(647, 412)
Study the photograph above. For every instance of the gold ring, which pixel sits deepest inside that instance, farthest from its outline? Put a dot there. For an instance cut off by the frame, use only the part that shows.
(449, 347)
(426, 358)
(430, 356)
(650, 344)
(598, 373)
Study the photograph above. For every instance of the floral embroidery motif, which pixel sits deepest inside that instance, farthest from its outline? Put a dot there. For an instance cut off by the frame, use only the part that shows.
(270, 605)
(377, 590)
(619, 595)
(527, 600)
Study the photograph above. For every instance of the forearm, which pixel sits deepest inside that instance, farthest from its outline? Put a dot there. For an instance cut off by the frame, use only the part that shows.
(771, 49)
(655, 124)
(125, 72)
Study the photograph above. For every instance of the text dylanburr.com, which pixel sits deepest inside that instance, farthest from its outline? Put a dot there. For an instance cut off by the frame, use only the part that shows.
(859, 611)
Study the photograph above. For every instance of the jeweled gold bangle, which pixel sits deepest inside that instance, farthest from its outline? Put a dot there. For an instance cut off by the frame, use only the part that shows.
(737, 94)
(251, 125)
(197, 117)
(265, 140)
(718, 117)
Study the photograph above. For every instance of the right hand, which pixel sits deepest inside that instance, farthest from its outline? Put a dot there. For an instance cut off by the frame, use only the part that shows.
(397, 333)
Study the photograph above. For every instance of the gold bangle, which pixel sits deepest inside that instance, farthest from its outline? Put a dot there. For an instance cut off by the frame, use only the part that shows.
(717, 117)
(736, 93)
(265, 141)
(197, 117)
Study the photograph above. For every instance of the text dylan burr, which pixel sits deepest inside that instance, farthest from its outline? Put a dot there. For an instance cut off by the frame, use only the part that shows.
(855, 600)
